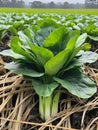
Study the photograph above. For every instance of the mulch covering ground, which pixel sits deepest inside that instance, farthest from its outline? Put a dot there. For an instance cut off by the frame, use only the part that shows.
(19, 105)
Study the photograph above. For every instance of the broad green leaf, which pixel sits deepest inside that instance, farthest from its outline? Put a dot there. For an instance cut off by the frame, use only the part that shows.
(73, 64)
(72, 41)
(94, 38)
(12, 54)
(81, 39)
(43, 54)
(24, 39)
(69, 40)
(18, 48)
(23, 69)
(72, 55)
(88, 57)
(57, 62)
(77, 84)
(83, 58)
(42, 34)
(55, 37)
(44, 89)
(29, 32)
(64, 42)
(76, 51)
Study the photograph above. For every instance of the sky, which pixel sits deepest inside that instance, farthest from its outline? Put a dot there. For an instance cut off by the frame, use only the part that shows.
(47, 1)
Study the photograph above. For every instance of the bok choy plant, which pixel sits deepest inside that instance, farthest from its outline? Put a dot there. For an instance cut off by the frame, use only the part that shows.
(52, 57)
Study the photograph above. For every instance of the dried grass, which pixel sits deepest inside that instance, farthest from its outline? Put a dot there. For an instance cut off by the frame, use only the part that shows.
(18, 100)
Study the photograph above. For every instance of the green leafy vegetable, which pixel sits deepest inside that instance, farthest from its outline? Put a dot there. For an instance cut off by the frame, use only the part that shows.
(51, 56)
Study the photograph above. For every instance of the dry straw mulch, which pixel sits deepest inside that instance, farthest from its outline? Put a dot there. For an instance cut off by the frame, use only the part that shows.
(19, 103)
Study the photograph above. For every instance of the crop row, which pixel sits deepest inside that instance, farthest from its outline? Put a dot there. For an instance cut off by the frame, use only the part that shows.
(57, 11)
(11, 23)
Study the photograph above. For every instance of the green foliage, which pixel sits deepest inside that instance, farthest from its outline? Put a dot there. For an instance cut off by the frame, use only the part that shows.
(77, 83)
(12, 23)
(51, 56)
(54, 65)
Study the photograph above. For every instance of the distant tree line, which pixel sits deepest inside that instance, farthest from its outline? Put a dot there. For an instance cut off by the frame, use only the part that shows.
(12, 3)
(39, 4)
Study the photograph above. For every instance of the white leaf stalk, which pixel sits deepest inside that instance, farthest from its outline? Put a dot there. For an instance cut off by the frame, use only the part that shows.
(48, 106)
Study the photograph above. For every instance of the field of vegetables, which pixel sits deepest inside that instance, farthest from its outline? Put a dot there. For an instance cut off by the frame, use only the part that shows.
(57, 54)
(57, 11)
